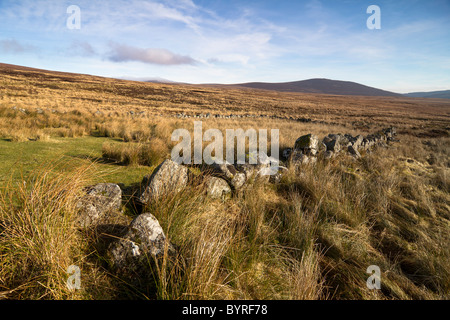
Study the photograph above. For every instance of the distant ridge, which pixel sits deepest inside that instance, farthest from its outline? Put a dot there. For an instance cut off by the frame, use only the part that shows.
(319, 86)
(322, 86)
(444, 94)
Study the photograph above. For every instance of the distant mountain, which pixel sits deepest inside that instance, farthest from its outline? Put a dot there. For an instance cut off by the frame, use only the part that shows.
(445, 94)
(148, 79)
(161, 80)
(319, 86)
(323, 86)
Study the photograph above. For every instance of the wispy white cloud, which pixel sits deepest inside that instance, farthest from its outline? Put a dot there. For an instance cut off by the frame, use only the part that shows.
(124, 53)
(213, 41)
(164, 12)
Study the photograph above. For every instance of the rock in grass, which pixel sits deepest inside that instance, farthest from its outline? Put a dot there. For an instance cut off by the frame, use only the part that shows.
(238, 181)
(298, 158)
(224, 170)
(250, 170)
(169, 177)
(229, 173)
(390, 133)
(332, 144)
(354, 152)
(357, 141)
(307, 144)
(100, 200)
(217, 188)
(328, 154)
(286, 153)
(143, 241)
(277, 173)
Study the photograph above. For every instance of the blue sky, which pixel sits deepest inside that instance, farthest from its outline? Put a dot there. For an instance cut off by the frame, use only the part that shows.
(201, 41)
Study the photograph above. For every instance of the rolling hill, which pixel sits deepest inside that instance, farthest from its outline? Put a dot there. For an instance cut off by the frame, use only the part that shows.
(321, 86)
(311, 86)
(444, 94)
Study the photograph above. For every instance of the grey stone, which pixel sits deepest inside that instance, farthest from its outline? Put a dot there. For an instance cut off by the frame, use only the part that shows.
(332, 144)
(100, 200)
(328, 154)
(228, 172)
(223, 170)
(334, 136)
(344, 140)
(354, 152)
(217, 188)
(358, 141)
(238, 180)
(168, 178)
(298, 158)
(265, 165)
(366, 143)
(257, 172)
(248, 169)
(390, 132)
(286, 153)
(308, 144)
(276, 177)
(143, 240)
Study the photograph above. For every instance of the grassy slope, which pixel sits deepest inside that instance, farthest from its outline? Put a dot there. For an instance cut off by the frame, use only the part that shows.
(310, 237)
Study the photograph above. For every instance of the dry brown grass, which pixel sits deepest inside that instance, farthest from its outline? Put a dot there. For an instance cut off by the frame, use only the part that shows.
(110, 98)
(310, 237)
(38, 239)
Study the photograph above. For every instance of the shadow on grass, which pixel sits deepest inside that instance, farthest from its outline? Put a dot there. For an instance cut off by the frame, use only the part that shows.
(119, 286)
(99, 160)
(97, 134)
(123, 286)
(130, 198)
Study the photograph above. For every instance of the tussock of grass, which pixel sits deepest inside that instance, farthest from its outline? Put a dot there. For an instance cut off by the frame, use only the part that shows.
(146, 154)
(38, 240)
(312, 236)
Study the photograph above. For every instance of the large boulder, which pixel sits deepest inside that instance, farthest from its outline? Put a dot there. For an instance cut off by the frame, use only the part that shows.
(217, 188)
(143, 240)
(307, 144)
(168, 178)
(98, 203)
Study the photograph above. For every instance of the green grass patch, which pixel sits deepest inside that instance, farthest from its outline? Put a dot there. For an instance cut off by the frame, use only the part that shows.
(19, 160)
